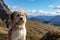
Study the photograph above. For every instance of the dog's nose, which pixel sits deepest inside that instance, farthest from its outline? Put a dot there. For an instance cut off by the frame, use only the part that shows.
(21, 18)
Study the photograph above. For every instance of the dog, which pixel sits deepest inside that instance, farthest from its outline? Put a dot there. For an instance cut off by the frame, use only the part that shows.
(18, 22)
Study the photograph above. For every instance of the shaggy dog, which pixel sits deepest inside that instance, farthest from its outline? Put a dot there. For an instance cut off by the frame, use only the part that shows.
(18, 22)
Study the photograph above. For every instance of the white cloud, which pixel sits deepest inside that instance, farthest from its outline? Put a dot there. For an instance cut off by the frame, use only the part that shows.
(54, 7)
(14, 8)
(41, 12)
(37, 12)
(31, 12)
(58, 12)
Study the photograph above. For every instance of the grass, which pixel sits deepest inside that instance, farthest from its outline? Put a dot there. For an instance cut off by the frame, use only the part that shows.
(35, 30)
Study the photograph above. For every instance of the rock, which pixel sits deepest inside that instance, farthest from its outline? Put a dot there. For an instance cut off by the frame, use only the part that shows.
(4, 12)
(4, 7)
(51, 35)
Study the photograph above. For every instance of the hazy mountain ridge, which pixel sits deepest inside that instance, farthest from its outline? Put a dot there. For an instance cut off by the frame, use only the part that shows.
(47, 19)
(41, 18)
(56, 20)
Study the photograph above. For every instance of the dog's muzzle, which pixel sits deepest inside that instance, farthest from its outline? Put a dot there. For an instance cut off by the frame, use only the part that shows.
(21, 18)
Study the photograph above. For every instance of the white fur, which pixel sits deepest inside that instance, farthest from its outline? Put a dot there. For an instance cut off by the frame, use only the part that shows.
(19, 33)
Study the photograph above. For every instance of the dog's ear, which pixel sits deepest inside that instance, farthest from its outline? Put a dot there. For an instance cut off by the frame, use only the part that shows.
(12, 15)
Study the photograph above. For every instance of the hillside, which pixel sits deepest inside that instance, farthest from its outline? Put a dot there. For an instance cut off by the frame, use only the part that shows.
(56, 20)
(35, 31)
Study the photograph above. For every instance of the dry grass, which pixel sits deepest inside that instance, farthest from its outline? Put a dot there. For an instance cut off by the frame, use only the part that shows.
(35, 30)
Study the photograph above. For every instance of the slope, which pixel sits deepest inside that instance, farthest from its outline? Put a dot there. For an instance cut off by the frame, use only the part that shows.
(35, 30)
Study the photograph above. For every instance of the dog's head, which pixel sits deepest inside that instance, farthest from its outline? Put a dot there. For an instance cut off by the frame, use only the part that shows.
(19, 17)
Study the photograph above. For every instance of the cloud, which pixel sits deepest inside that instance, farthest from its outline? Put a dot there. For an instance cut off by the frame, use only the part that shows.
(34, 12)
(42, 12)
(58, 12)
(54, 7)
(31, 12)
(14, 8)
(46, 13)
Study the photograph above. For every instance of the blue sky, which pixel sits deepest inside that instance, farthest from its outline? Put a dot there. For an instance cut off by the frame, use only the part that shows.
(34, 6)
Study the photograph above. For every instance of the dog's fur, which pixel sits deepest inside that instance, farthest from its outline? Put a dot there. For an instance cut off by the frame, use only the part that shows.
(17, 30)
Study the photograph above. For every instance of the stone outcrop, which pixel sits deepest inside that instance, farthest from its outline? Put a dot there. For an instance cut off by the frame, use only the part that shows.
(4, 11)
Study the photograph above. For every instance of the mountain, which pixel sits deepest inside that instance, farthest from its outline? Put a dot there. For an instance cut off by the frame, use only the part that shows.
(4, 12)
(56, 20)
(4, 7)
(41, 18)
(36, 31)
(29, 16)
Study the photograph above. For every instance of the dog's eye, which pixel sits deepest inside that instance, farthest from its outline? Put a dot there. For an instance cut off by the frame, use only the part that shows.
(22, 15)
(18, 15)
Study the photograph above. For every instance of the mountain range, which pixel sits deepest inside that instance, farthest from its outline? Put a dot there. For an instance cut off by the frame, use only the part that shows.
(55, 20)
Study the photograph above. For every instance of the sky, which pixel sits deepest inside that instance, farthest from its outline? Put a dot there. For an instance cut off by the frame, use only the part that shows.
(35, 7)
